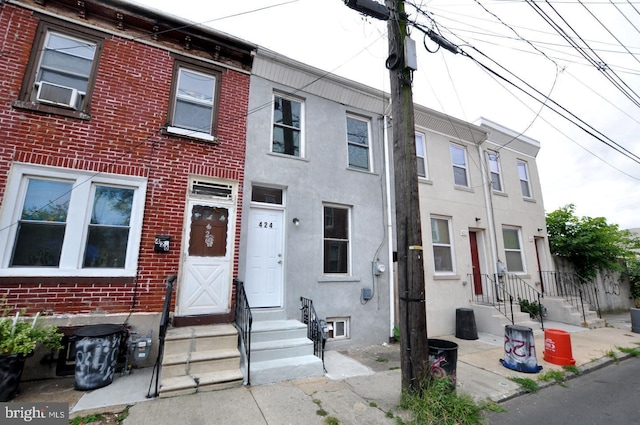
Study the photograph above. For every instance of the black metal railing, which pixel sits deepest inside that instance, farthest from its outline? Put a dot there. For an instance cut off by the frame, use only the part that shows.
(573, 288)
(502, 292)
(315, 332)
(164, 326)
(243, 323)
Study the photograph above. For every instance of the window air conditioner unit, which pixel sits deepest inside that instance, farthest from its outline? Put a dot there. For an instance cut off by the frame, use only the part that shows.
(54, 94)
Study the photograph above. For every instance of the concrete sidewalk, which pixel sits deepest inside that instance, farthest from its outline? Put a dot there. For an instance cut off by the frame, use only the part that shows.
(361, 386)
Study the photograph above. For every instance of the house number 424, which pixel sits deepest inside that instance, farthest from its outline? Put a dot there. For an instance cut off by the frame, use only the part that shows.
(265, 225)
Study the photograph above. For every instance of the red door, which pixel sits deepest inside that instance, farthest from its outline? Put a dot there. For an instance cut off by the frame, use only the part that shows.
(475, 264)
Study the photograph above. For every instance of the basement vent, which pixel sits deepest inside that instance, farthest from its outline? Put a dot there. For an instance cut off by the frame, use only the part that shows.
(213, 190)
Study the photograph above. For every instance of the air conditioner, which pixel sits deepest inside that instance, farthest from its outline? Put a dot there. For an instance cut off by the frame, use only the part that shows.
(54, 94)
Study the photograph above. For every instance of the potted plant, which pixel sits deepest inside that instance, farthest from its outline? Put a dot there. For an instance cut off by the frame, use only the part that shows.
(19, 336)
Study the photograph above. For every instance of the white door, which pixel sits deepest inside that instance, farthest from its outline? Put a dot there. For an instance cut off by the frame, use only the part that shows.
(205, 286)
(263, 278)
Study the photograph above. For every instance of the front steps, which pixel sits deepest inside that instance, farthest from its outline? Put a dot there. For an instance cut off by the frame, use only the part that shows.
(490, 320)
(200, 358)
(280, 349)
(560, 310)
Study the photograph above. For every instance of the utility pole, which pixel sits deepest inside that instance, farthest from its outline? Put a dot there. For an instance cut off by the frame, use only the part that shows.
(412, 314)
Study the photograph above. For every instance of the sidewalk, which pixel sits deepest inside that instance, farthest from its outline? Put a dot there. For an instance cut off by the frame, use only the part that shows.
(360, 387)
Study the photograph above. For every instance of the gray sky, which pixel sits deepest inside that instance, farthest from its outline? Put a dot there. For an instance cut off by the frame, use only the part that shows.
(574, 166)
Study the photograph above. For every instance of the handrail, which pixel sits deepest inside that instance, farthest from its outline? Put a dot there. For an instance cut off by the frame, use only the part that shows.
(573, 288)
(164, 326)
(243, 323)
(314, 327)
(501, 292)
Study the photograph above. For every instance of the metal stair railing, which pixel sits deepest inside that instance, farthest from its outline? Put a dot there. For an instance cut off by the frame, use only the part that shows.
(524, 294)
(243, 323)
(164, 326)
(315, 331)
(573, 288)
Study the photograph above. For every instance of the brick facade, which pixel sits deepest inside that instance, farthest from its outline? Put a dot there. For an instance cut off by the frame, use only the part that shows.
(123, 137)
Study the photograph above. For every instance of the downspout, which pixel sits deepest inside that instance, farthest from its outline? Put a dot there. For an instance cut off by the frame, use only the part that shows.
(488, 199)
(387, 182)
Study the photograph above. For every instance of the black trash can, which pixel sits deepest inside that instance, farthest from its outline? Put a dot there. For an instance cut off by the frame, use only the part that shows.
(96, 355)
(466, 324)
(443, 359)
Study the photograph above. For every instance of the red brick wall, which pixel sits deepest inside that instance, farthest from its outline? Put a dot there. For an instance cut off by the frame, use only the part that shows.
(129, 107)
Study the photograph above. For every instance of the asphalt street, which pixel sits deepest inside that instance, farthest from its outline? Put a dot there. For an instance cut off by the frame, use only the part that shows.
(605, 396)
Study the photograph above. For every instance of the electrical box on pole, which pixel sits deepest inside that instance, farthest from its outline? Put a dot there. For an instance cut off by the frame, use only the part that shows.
(370, 8)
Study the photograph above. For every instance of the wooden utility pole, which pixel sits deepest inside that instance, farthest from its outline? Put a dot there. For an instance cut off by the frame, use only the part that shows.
(411, 283)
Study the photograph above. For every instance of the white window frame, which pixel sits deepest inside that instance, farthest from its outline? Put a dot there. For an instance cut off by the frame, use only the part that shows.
(494, 169)
(421, 142)
(301, 149)
(350, 143)
(464, 166)
(78, 219)
(519, 250)
(435, 236)
(331, 326)
(525, 181)
(348, 240)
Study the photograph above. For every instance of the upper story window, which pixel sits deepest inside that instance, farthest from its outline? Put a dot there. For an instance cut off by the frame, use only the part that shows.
(459, 162)
(336, 240)
(71, 223)
(287, 126)
(523, 173)
(442, 247)
(62, 71)
(358, 143)
(194, 100)
(494, 169)
(513, 249)
(421, 156)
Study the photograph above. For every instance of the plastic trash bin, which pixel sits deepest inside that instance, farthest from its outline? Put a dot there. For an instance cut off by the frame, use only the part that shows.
(466, 324)
(443, 358)
(96, 355)
(557, 347)
(520, 349)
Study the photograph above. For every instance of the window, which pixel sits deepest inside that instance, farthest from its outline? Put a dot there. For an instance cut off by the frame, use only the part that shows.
(267, 195)
(194, 100)
(62, 70)
(336, 240)
(494, 169)
(421, 155)
(287, 126)
(459, 162)
(67, 223)
(523, 173)
(442, 249)
(338, 327)
(512, 249)
(358, 143)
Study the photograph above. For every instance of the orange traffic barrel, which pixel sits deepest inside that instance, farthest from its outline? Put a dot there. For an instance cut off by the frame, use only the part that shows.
(557, 347)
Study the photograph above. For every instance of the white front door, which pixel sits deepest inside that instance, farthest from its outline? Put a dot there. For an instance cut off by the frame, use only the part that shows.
(205, 286)
(264, 278)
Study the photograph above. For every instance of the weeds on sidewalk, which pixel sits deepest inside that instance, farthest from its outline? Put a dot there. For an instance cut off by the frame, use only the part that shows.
(439, 405)
(572, 368)
(554, 375)
(527, 384)
(612, 354)
(634, 352)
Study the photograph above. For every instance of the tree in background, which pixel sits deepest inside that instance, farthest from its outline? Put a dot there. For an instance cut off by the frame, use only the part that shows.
(591, 244)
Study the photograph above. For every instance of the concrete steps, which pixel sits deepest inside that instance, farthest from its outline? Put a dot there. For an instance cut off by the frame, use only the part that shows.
(490, 320)
(200, 358)
(560, 310)
(280, 350)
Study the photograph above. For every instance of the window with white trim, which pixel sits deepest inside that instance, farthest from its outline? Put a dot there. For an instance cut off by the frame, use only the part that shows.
(71, 223)
(193, 108)
(513, 249)
(336, 240)
(494, 169)
(358, 143)
(338, 327)
(287, 126)
(442, 247)
(523, 173)
(421, 156)
(459, 163)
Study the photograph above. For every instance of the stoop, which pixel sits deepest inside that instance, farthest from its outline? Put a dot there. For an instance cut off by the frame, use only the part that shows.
(200, 358)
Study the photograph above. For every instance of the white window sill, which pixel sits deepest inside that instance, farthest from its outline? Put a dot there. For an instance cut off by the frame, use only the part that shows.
(338, 278)
(191, 134)
(56, 272)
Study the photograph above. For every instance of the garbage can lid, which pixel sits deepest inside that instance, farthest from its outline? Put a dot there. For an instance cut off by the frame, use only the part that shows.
(99, 330)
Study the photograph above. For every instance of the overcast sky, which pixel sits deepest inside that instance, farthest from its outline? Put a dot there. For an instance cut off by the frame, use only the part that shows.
(511, 38)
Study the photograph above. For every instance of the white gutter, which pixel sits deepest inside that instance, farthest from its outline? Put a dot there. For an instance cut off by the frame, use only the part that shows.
(387, 178)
